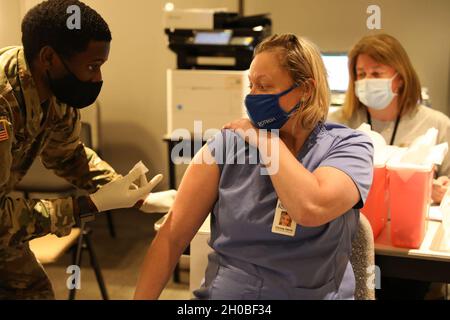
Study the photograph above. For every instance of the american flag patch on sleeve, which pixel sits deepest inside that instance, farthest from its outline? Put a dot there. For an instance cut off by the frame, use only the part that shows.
(3, 130)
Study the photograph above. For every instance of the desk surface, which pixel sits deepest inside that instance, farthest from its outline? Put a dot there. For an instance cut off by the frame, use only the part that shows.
(433, 246)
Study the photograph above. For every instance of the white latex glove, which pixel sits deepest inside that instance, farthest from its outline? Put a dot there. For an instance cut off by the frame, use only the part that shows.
(120, 193)
(160, 202)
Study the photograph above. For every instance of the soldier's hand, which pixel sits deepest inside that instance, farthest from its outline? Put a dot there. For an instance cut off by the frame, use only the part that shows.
(121, 194)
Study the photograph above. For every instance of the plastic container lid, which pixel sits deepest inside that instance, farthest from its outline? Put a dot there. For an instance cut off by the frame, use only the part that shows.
(395, 163)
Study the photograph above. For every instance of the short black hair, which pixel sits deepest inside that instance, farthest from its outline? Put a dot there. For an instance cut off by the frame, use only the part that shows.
(46, 25)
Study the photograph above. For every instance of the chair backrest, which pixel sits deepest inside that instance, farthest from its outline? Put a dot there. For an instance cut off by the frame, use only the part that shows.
(363, 260)
(41, 180)
(86, 135)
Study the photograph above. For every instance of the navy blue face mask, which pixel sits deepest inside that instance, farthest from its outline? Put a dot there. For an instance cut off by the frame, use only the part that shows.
(265, 112)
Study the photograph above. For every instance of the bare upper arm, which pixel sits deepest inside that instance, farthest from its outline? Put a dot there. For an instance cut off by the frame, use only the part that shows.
(195, 197)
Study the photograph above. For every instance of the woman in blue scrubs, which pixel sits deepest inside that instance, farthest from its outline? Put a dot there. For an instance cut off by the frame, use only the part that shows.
(285, 158)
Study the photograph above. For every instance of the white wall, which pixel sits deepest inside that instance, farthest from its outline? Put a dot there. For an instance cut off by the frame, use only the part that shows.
(9, 23)
(423, 28)
(133, 95)
(134, 92)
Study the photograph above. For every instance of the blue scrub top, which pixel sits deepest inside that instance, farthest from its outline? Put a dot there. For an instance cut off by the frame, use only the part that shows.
(251, 262)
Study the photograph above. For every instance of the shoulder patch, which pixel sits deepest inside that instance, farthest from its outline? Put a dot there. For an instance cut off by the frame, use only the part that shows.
(3, 130)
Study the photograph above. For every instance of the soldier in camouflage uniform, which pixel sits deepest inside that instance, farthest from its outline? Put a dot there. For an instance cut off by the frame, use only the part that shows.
(34, 123)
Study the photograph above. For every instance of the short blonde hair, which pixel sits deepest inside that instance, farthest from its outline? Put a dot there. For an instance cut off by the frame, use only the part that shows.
(387, 50)
(302, 60)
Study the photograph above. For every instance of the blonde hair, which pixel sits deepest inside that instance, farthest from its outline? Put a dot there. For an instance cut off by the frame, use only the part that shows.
(302, 60)
(387, 50)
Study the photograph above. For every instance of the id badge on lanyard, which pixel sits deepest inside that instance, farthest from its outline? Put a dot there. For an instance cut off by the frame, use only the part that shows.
(282, 222)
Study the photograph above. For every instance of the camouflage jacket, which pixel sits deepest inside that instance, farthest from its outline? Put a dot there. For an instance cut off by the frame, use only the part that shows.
(27, 131)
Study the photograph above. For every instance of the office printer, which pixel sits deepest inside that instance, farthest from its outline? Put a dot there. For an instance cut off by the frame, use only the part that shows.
(214, 50)
(210, 39)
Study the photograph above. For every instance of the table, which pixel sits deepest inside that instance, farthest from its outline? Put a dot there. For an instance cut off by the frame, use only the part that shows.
(430, 262)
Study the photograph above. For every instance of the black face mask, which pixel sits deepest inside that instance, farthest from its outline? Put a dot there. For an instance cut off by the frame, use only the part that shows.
(74, 92)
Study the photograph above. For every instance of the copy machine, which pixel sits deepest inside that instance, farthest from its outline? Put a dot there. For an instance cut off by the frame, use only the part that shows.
(214, 50)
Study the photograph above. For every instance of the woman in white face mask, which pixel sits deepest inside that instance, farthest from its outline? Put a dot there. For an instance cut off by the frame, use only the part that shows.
(384, 91)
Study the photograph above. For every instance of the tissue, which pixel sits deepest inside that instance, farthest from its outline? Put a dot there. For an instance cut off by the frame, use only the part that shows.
(420, 148)
(140, 166)
(422, 154)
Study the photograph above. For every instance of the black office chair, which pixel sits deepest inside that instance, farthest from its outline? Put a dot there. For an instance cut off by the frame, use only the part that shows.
(41, 181)
(84, 243)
